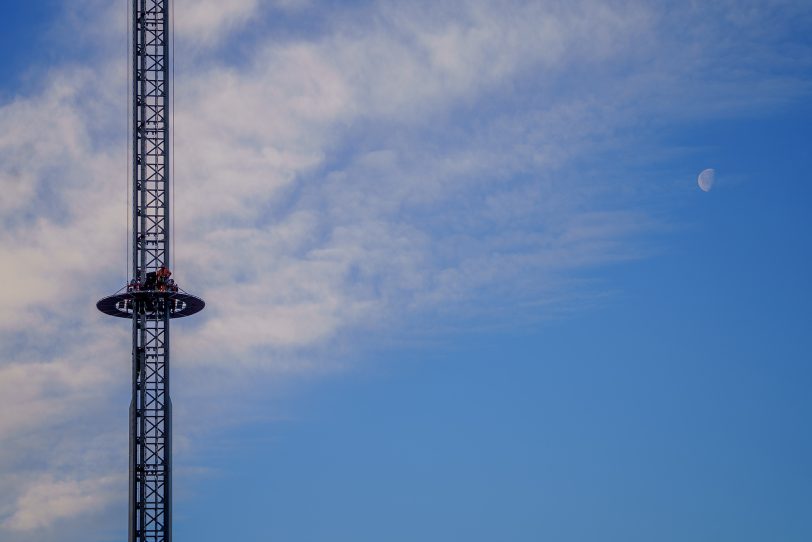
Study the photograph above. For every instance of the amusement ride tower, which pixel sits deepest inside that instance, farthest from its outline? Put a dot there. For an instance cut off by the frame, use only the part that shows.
(151, 298)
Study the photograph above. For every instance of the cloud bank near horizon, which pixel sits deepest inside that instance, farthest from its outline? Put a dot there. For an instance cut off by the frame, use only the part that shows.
(411, 159)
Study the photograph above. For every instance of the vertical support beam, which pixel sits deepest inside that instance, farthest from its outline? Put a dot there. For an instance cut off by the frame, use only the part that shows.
(150, 409)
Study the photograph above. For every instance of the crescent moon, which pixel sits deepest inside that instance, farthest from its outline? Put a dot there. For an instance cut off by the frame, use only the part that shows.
(705, 179)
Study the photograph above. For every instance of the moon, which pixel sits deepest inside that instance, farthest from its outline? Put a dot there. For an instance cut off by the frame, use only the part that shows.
(705, 179)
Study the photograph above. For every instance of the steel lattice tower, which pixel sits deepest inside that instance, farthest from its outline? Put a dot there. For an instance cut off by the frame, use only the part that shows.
(150, 299)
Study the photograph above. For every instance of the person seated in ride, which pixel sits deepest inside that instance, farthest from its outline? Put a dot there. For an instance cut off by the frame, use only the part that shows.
(162, 275)
(149, 283)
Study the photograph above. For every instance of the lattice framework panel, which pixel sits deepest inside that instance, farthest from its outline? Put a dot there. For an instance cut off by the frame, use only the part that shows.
(151, 407)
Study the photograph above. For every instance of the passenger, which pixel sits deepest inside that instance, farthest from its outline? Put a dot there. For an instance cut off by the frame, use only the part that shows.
(162, 275)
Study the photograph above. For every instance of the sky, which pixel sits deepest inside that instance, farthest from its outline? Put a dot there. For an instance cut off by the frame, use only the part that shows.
(461, 282)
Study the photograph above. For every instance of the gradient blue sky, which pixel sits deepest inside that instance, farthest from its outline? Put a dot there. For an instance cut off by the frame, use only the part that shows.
(462, 283)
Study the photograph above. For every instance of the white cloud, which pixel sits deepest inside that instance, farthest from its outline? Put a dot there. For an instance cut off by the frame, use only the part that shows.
(48, 500)
(56, 222)
(208, 21)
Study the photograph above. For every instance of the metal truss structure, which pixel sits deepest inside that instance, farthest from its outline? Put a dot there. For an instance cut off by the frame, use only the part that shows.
(148, 302)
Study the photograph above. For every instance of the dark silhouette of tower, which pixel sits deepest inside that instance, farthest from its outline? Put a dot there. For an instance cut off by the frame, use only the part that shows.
(151, 298)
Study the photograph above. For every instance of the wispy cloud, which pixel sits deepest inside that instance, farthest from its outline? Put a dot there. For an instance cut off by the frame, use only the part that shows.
(411, 158)
(46, 500)
(207, 22)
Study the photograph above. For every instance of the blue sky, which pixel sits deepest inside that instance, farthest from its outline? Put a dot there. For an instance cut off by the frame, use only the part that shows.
(461, 281)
